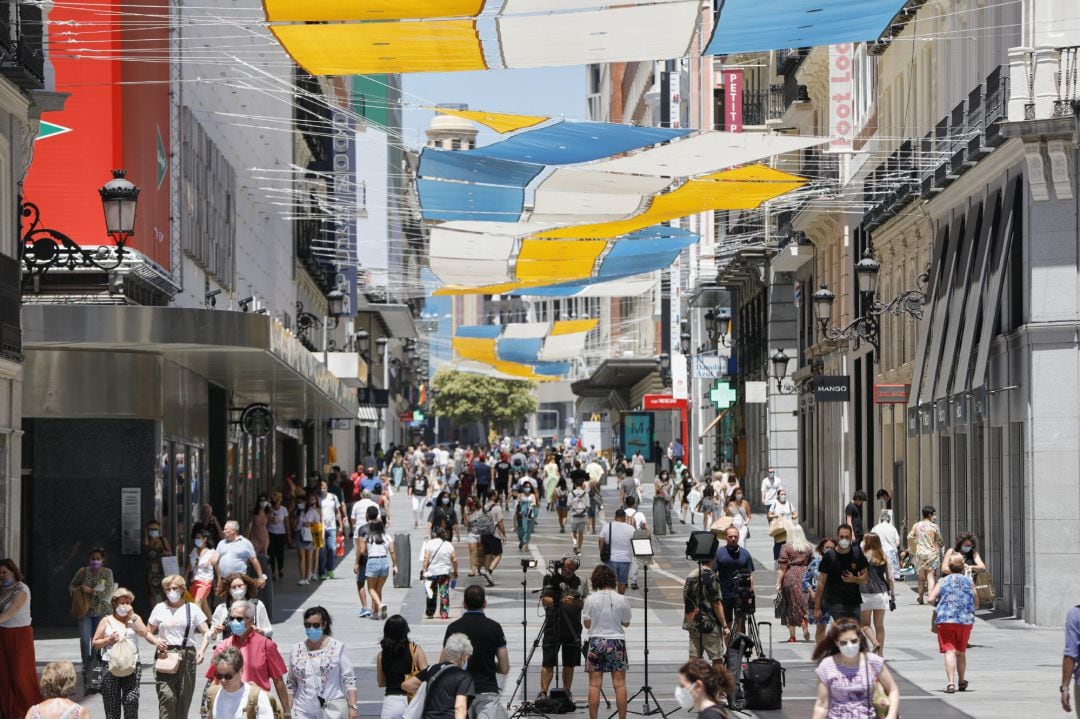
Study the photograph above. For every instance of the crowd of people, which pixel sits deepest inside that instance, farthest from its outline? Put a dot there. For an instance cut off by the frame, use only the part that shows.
(844, 585)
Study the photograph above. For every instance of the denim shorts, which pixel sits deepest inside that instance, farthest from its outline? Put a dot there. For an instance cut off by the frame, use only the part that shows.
(621, 569)
(377, 567)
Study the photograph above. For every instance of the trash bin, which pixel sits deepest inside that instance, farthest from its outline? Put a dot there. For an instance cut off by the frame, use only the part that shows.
(403, 555)
(659, 517)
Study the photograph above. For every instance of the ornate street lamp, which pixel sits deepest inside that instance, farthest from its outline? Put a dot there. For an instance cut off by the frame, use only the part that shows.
(44, 248)
(779, 360)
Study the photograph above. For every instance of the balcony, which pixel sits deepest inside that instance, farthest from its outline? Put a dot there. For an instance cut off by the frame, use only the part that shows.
(759, 106)
(1045, 83)
(10, 306)
(22, 56)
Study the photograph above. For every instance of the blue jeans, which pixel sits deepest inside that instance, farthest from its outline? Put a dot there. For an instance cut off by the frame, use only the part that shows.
(87, 626)
(327, 555)
(621, 569)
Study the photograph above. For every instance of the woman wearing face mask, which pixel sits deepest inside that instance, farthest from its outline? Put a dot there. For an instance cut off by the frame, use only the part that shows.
(121, 693)
(702, 687)
(278, 530)
(443, 516)
(307, 525)
(686, 486)
(847, 673)
(525, 515)
(438, 565)
(321, 681)
(810, 587)
(784, 510)
(236, 587)
(18, 671)
(173, 625)
(202, 572)
(924, 544)
(744, 508)
(95, 583)
(791, 568)
(155, 547)
(955, 600)
(965, 549)
(257, 528)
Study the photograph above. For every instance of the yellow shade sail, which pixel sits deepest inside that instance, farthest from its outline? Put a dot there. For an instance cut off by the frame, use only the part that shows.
(571, 327)
(383, 47)
(557, 260)
(483, 350)
(498, 121)
(743, 188)
(319, 10)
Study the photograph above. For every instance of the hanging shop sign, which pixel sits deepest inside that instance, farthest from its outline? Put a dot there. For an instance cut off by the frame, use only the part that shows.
(832, 388)
(891, 393)
(733, 99)
(661, 402)
(257, 420)
(841, 97)
(708, 366)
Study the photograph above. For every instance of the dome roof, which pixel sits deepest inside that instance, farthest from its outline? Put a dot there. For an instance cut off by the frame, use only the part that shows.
(451, 123)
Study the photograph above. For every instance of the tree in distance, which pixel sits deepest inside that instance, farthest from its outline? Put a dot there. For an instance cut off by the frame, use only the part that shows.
(464, 398)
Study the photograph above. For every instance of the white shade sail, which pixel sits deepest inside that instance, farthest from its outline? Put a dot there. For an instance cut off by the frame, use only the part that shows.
(573, 196)
(520, 7)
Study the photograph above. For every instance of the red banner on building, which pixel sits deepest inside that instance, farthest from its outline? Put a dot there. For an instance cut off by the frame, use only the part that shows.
(661, 401)
(733, 99)
(891, 393)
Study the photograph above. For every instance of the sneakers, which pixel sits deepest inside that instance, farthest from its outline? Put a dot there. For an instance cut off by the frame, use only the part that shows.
(303, 582)
(382, 612)
(322, 577)
(364, 612)
(634, 586)
(330, 575)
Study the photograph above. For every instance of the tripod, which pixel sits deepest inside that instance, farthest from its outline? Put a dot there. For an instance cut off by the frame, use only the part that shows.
(646, 690)
(526, 708)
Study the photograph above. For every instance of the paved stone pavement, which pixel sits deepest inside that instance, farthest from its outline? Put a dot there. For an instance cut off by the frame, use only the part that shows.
(1013, 668)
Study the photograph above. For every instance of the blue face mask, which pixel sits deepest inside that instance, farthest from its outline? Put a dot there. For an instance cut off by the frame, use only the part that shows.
(314, 634)
(8, 582)
(237, 627)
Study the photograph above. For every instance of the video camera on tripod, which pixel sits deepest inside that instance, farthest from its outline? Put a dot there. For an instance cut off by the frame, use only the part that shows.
(745, 599)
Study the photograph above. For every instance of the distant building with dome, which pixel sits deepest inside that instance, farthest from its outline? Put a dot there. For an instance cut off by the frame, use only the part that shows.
(448, 132)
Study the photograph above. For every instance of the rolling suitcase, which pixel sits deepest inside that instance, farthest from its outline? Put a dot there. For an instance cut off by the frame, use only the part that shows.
(403, 556)
(763, 680)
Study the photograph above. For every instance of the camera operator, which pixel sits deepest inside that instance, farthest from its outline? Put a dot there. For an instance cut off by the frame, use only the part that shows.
(731, 561)
(563, 597)
(703, 613)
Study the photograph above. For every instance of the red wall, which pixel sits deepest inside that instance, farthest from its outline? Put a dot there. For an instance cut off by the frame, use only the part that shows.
(112, 125)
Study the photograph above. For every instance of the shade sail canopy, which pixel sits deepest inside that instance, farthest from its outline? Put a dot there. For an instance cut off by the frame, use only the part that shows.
(469, 166)
(456, 256)
(630, 287)
(498, 121)
(466, 201)
(529, 350)
(575, 196)
(383, 47)
(322, 10)
(743, 188)
(571, 142)
(522, 7)
(544, 261)
(619, 34)
(482, 351)
(743, 27)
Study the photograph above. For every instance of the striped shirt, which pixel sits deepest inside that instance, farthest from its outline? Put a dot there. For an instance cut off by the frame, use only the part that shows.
(851, 689)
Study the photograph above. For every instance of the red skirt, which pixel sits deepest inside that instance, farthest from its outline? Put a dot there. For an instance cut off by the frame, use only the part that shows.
(18, 671)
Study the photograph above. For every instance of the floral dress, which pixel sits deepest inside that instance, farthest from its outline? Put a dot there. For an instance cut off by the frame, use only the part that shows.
(318, 674)
(809, 586)
(928, 543)
(792, 586)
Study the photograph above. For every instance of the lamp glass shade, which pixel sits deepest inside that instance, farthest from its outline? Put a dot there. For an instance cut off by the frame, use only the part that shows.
(119, 199)
(684, 340)
(779, 362)
(866, 274)
(363, 340)
(335, 302)
(381, 343)
(823, 300)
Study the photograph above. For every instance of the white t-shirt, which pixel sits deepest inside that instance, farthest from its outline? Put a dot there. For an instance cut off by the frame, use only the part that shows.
(234, 556)
(275, 523)
(595, 471)
(637, 518)
(890, 538)
(359, 512)
(620, 534)
(782, 510)
(769, 488)
(607, 611)
(171, 621)
(233, 705)
(113, 627)
(439, 552)
(201, 565)
(330, 506)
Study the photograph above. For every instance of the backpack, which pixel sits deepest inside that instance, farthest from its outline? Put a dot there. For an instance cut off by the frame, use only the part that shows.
(483, 524)
(419, 701)
(251, 711)
(579, 503)
(123, 659)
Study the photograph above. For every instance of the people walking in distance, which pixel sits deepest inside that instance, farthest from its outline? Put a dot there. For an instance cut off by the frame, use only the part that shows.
(770, 485)
(278, 529)
(419, 496)
(780, 511)
(239, 587)
(95, 583)
(155, 547)
(231, 697)
(847, 672)
(708, 506)
(924, 545)
(263, 665)
(965, 548)
(362, 529)
(615, 545)
(686, 486)
(853, 514)
(333, 517)
(795, 557)
(605, 615)
(501, 483)
(955, 600)
(381, 563)
(451, 697)
(525, 513)
(578, 508)
(1070, 662)
(702, 686)
(878, 593)
(731, 561)
(492, 531)
(732, 517)
(841, 571)
(890, 541)
(438, 566)
(490, 659)
(321, 681)
(53, 697)
(562, 503)
(119, 690)
(18, 670)
(596, 502)
(743, 507)
(202, 570)
(258, 528)
(664, 495)
(444, 517)
(703, 613)
(627, 488)
(307, 518)
(174, 624)
(398, 659)
(810, 587)
(551, 478)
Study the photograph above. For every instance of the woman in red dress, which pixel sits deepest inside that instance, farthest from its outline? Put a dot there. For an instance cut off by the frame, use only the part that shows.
(18, 668)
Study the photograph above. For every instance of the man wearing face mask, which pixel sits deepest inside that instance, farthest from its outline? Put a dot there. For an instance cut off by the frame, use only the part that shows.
(731, 559)
(769, 487)
(263, 664)
(841, 572)
(236, 552)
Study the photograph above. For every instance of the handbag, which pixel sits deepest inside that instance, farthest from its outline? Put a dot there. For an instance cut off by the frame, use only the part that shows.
(984, 589)
(123, 658)
(776, 529)
(780, 607)
(339, 550)
(168, 660)
(933, 622)
(80, 603)
(414, 669)
(605, 551)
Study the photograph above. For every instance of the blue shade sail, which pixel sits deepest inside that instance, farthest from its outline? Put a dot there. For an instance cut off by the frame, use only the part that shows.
(522, 350)
(464, 201)
(483, 332)
(634, 256)
(755, 26)
(468, 167)
(551, 369)
(566, 143)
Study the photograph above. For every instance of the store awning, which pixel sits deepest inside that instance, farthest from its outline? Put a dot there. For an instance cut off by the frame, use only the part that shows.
(615, 375)
(396, 318)
(368, 416)
(246, 353)
(716, 421)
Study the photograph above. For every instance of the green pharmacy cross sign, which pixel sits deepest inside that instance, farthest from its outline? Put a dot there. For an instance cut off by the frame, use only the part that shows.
(722, 395)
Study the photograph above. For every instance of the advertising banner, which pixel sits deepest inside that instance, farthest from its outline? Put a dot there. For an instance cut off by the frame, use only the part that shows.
(841, 98)
(636, 434)
(829, 388)
(733, 99)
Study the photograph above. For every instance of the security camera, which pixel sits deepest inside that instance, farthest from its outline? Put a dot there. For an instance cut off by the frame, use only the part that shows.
(211, 297)
(245, 304)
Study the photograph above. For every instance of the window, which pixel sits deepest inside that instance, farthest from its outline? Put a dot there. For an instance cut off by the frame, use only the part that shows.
(455, 144)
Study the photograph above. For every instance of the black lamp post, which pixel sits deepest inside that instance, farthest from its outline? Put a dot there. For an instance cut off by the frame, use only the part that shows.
(44, 248)
(779, 360)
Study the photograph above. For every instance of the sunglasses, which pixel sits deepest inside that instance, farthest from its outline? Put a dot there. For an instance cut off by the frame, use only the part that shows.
(225, 677)
(317, 625)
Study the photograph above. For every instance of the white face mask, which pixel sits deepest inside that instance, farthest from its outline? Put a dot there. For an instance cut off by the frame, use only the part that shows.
(844, 543)
(173, 595)
(685, 698)
(122, 610)
(850, 650)
(238, 593)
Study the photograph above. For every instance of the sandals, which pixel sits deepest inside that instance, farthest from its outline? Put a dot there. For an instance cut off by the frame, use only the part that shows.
(950, 689)
(963, 685)
(920, 600)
